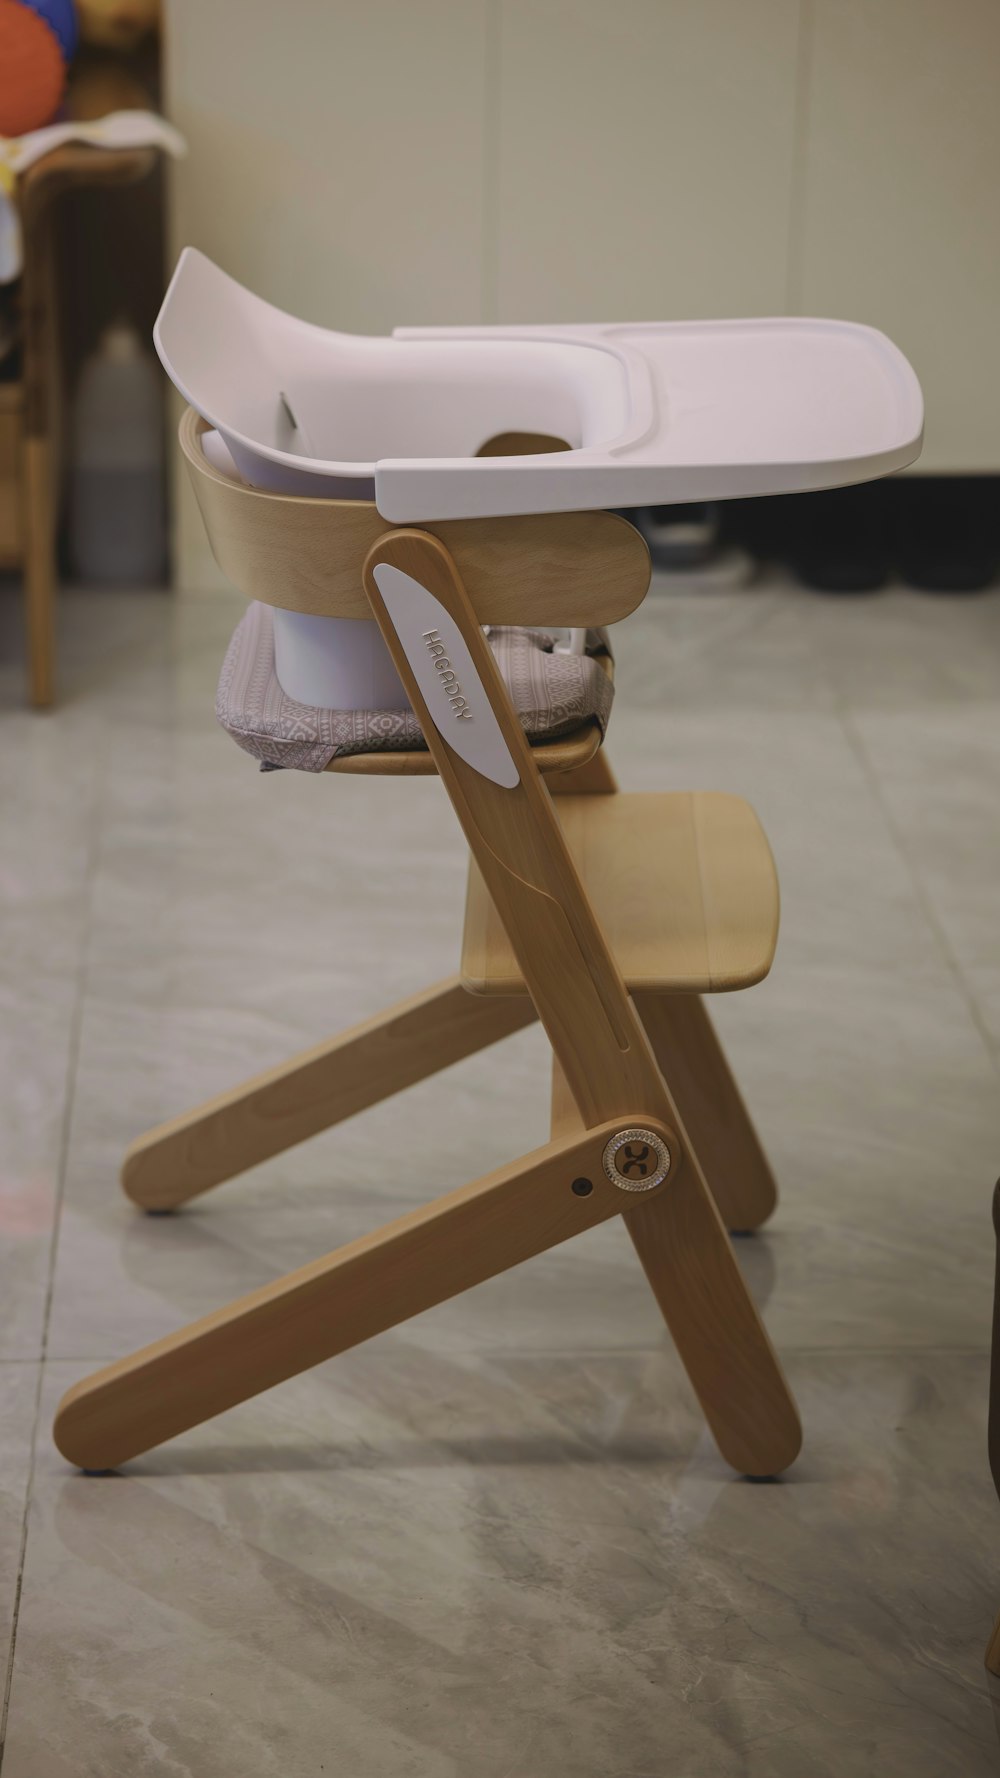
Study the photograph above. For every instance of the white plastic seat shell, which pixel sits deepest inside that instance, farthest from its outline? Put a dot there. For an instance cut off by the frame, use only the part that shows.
(653, 413)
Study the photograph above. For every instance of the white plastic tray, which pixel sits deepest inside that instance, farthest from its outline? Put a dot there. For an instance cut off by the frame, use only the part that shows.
(654, 413)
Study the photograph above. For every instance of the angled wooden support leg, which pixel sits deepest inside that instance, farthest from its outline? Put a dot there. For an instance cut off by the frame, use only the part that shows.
(689, 1261)
(704, 1301)
(316, 1089)
(601, 1045)
(360, 1290)
(565, 1116)
(694, 1066)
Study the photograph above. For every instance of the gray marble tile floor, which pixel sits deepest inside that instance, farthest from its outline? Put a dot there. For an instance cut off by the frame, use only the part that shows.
(497, 1542)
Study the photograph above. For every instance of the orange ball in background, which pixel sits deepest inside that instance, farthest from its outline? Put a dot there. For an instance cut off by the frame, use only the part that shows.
(32, 71)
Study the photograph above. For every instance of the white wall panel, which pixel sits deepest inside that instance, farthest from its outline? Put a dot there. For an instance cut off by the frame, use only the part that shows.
(336, 161)
(645, 157)
(900, 222)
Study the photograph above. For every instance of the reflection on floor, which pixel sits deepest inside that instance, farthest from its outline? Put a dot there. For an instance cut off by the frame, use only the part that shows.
(498, 1543)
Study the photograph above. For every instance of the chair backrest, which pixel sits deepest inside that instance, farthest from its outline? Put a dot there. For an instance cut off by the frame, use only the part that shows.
(570, 570)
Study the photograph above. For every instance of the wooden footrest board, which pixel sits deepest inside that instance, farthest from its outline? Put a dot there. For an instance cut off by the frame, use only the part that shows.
(682, 882)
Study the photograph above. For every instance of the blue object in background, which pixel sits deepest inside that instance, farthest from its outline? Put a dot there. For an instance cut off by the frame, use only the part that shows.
(60, 16)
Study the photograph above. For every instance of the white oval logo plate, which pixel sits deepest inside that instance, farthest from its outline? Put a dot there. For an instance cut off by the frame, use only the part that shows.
(444, 670)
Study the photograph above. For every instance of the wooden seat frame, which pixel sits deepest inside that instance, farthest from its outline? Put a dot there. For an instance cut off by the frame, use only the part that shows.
(649, 1064)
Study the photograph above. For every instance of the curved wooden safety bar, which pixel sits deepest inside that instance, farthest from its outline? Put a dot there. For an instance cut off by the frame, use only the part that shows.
(568, 569)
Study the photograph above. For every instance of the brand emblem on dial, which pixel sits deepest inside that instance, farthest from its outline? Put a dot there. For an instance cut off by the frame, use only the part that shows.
(636, 1160)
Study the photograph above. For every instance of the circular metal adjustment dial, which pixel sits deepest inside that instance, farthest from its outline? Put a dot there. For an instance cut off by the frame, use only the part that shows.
(636, 1160)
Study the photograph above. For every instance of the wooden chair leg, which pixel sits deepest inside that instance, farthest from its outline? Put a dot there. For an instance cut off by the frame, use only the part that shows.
(316, 1089)
(689, 1261)
(42, 429)
(686, 1255)
(565, 1115)
(360, 1290)
(715, 1117)
(39, 572)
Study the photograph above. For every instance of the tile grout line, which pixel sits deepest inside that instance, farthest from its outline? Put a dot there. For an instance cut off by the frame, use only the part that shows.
(927, 907)
(69, 1100)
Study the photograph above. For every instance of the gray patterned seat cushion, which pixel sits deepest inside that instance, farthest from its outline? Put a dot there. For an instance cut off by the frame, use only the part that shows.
(552, 694)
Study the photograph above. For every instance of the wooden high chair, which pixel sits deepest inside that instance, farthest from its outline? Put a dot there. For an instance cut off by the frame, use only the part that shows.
(606, 915)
